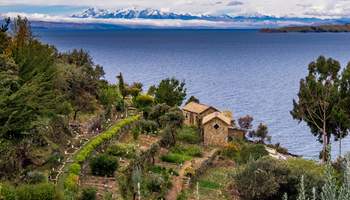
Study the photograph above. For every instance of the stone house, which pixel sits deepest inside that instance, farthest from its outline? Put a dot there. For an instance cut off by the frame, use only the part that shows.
(217, 128)
(194, 113)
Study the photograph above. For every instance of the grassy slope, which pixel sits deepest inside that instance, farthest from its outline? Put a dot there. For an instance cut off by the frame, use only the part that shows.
(213, 184)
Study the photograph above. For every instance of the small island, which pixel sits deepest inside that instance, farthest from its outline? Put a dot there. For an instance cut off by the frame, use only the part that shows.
(309, 29)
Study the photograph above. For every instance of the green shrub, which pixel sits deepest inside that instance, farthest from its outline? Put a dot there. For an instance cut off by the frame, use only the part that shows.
(7, 192)
(54, 159)
(162, 170)
(313, 177)
(88, 194)
(189, 135)
(232, 150)
(135, 132)
(71, 182)
(252, 151)
(189, 150)
(175, 158)
(43, 191)
(147, 126)
(143, 100)
(122, 150)
(261, 179)
(154, 183)
(156, 169)
(36, 177)
(268, 178)
(209, 184)
(75, 168)
(103, 165)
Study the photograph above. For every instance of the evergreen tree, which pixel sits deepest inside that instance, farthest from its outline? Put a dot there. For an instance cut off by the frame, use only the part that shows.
(4, 39)
(317, 97)
(122, 86)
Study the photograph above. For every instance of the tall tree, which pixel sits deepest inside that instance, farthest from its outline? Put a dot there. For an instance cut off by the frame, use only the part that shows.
(170, 91)
(23, 104)
(341, 113)
(122, 86)
(83, 80)
(172, 120)
(157, 111)
(4, 38)
(317, 97)
(27, 93)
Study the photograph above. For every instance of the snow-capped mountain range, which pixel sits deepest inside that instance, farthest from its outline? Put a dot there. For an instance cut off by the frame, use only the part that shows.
(134, 13)
(93, 18)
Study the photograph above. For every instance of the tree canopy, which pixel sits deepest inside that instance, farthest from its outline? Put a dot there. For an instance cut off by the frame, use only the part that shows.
(320, 103)
(170, 91)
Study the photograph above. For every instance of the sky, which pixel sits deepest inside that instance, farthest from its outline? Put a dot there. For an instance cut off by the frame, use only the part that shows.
(280, 8)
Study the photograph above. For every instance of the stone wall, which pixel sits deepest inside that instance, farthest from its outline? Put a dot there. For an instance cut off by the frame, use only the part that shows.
(215, 135)
(191, 119)
(236, 133)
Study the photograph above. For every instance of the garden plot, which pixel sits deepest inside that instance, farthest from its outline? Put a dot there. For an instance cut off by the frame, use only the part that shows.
(103, 169)
(213, 184)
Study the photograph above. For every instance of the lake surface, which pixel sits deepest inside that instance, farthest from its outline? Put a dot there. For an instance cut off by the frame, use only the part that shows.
(240, 70)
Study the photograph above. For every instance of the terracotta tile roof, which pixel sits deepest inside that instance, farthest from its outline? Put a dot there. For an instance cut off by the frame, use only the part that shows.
(218, 115)
(195, 107)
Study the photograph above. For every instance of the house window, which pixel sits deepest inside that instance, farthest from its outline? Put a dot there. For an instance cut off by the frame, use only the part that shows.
(216, 126)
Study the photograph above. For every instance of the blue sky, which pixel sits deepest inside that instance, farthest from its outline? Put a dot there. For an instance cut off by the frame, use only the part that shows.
(299, 8)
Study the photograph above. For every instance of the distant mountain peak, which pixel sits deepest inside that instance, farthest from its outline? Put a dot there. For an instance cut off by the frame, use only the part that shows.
(132, 13)
(254, 19)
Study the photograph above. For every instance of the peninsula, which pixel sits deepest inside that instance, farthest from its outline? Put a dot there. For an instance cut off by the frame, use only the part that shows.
(309, 29)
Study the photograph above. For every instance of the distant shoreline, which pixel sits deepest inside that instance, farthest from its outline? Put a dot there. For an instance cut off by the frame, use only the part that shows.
(309, 29)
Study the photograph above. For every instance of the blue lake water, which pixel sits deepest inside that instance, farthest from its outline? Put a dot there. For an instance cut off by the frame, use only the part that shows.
(240, 70)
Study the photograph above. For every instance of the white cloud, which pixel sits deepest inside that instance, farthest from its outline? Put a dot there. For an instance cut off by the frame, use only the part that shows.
(330, 10)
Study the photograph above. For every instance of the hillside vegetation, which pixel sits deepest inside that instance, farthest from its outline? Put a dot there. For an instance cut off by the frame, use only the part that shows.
(42, 92)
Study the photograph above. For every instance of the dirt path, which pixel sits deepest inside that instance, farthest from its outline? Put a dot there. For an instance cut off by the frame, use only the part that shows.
(180, 182)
